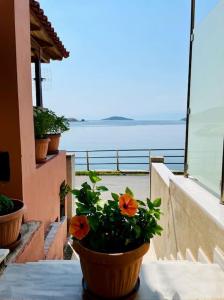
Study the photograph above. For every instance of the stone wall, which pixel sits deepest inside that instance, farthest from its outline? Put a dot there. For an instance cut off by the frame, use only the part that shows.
(192, 217)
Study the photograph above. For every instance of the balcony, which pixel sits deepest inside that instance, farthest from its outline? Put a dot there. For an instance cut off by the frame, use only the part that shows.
(184, 263)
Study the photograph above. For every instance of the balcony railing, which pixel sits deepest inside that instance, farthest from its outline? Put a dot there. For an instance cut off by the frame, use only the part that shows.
(127, 159)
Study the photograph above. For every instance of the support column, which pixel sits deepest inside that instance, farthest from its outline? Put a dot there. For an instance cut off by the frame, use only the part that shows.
(154, 159)
(70, 168)
(16, 115)
(38, 81)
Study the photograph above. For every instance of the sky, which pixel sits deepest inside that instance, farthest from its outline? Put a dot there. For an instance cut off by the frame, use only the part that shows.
(127, 58)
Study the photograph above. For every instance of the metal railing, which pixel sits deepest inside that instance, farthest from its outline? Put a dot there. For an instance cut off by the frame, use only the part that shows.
(115, 160)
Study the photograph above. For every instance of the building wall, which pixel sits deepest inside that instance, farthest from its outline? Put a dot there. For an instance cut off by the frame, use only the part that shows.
(33, 250)
(16, 128)
(55, 240)
(192, 217)
(37, 185)
(41, 190)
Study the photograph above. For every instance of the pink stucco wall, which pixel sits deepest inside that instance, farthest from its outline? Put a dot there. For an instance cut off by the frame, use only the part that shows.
(34, 249)
(41, 190)
(55, 249)
(38, 186)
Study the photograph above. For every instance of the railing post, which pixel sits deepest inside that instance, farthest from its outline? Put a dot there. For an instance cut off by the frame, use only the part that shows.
(149, 159)
(222, 179)
(118, 164)
(87, 160)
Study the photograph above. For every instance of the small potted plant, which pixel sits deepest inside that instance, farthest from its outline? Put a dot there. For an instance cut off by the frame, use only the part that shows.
(58, 126)
(42, 125)
(111, 238)
(11, 213)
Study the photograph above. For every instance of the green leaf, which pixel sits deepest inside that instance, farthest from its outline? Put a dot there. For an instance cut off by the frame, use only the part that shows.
(82, 209)
(75, 192)
(141, 202)
(93, 177)
(102, 188)
(93, 222)
(157, 215)
(137, 230)
(158, 229)
(115, 196)
(86, 186)
(99, 208)
(6, 205)
(150, 204)
(129, 192)
(112, 203)
(157, 202)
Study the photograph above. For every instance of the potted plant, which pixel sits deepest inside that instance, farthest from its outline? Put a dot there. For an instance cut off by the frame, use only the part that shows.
(42, 124)
(11, 213)
(111, 238)
(58, 126)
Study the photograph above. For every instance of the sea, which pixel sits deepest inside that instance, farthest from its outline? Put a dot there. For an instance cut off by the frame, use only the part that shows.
(125, 144)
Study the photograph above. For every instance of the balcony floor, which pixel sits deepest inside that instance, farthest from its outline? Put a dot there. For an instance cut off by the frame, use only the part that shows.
(166, 280)
(139, 184)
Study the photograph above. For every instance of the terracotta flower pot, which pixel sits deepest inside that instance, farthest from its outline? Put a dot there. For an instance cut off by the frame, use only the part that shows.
(41, 147)
(110, 275)
(10, 225)
(54, 143)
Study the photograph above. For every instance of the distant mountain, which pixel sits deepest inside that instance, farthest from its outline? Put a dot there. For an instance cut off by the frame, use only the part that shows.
(72, 119)
(183, 119)
(117, 118)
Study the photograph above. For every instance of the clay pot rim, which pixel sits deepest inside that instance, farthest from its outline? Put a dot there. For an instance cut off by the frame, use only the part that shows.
(13, 214)
(43, 140)
(109, 258)
(54, 135)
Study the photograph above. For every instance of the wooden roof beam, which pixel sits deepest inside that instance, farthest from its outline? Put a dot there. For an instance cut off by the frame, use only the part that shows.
(34, 27)
(42, 43)
(36, 52)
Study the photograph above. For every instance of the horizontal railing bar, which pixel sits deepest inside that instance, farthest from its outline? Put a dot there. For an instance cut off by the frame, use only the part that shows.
(136, 156)
(173, 163)
(118, 158)
(167, 156)
(91, 164)
(124, 150)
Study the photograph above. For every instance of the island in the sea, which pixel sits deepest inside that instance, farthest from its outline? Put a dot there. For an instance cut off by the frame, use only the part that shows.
(117, 118)
(72, 119)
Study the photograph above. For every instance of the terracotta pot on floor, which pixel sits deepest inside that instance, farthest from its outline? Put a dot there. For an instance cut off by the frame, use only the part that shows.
(54, 143)
(110, 276)
(41, 147)
(10, 225)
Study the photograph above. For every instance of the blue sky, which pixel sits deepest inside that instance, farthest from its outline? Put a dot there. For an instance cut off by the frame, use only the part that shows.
(128, 57)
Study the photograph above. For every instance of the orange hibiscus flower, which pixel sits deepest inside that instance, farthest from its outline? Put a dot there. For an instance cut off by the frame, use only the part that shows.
(128, 205)
(79, 227)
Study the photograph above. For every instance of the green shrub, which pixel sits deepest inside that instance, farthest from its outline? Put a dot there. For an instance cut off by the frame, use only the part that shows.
(119, 224)
(59, 124)
(42, 122)
(6, 205)
(47, 122)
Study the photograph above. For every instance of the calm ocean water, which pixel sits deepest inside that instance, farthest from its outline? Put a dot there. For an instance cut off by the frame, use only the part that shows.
(103, 135)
